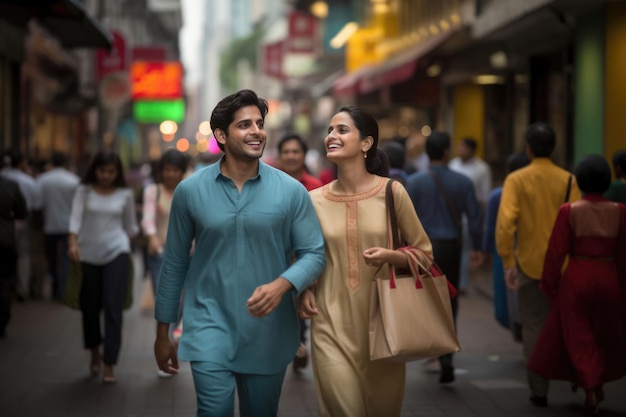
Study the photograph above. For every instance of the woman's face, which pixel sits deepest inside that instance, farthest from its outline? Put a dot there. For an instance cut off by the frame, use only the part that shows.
(106, 175)
(344, 139)
(172, 175)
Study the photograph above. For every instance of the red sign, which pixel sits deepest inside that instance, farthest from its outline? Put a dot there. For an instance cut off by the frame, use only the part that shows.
(113, 61)
(156, 80)
(302, 36)
(272, 59)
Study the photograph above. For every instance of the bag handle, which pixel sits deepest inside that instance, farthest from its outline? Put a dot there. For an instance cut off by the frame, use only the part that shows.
(451, 210)
(569, 188)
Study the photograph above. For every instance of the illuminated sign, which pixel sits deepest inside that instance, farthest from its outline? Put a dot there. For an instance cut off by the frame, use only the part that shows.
(156, 80)
(156, 111)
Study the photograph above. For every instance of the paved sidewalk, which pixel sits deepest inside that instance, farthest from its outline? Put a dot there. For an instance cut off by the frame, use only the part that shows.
(45, 373)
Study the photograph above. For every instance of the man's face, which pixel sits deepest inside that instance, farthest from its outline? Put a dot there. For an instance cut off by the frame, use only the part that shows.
(291, 157)
(465, 152)
(246, 135)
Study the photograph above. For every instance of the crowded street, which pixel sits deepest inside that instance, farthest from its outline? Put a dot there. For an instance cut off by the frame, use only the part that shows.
(45, 372)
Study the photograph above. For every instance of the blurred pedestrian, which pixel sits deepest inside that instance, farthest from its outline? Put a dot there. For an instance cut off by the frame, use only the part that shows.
(531, 197)
(249, 221)
(101, 224)
(292, 152)
(441, 197)
(12, 208)
(157, 202)
(477, 170)
(617, 189)
(17, 169)
(352, 212)
(397, 160)
(587, 317)
(57, 186)
(506, 308)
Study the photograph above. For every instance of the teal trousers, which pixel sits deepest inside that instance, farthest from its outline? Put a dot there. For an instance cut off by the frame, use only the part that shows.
(215, 391)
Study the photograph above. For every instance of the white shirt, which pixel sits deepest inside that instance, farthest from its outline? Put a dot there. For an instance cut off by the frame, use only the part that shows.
(478, 171)
(28, 187)
(103, 223)
(57, 190)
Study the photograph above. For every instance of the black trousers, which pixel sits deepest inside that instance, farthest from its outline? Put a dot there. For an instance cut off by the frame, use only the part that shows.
(8, 275)
(447, 255)
(58, 262)
(104, 288)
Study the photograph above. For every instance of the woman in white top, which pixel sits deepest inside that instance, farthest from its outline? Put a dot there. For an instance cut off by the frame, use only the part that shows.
(101, 224)
(157, 200)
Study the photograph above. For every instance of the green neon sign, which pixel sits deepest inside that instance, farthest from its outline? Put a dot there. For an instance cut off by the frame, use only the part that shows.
(156, 111)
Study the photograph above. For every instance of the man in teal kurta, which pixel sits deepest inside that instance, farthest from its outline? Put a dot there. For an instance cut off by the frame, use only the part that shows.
(249, 221)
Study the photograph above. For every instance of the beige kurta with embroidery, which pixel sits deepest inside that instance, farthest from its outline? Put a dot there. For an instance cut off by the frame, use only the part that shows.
(348, 383)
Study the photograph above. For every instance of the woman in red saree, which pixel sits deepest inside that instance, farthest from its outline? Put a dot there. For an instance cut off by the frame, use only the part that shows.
(584, 337)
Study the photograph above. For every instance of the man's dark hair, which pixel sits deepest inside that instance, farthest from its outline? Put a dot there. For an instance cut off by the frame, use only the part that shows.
(59, 159)
(516, 161)
(13, 158)
(100, 159)
(395, 154)
(224, 113)
(593, 174)
(437, 144)
(293, 136)
(470, 143)
(619, 163)
(541, 139)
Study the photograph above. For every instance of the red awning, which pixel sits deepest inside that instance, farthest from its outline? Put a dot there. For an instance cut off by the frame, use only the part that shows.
(393, 71)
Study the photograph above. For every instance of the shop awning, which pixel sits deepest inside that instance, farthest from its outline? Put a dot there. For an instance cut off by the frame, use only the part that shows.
(393, 71)
(67, 20)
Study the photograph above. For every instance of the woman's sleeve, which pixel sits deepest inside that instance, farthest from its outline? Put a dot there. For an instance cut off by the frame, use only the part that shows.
(148, 217)
(78, 208)
(558, 246)
(411, 229)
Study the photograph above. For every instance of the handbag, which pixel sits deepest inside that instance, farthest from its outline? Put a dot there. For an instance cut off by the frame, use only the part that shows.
(410, 314)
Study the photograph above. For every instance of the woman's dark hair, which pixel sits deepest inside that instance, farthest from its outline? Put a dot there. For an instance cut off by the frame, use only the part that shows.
(541, 139)
(376, 161)
(174, 158)
(593, 174)
(224, 113)
(437, 144)
(100, 159)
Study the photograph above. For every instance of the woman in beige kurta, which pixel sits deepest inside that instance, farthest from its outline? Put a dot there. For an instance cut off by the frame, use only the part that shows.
(352, 214)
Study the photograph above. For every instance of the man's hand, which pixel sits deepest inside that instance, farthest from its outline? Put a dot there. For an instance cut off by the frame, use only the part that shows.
(267, 297)
(510, 278)
(307, 306)
(165, 350)
(154, 245)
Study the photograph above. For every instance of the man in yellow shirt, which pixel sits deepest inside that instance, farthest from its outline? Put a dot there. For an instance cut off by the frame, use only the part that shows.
(531, 198)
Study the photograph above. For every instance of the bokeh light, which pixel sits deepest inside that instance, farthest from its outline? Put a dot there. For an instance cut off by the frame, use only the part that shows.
(182, 145)
(168, 127)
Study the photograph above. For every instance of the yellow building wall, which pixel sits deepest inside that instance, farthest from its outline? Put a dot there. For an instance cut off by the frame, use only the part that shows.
(469, 115)
(615, 81)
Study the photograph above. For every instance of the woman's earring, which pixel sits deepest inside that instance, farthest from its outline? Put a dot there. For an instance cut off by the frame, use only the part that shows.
(364, 154)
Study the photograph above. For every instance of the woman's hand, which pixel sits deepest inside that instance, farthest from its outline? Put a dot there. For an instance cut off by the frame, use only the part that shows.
(307, 306)
(377, 256)
(73, 253)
